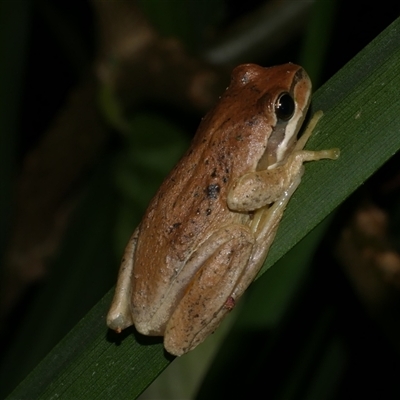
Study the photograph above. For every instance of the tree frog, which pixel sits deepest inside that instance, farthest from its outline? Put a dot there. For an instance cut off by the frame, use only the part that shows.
(207, 231)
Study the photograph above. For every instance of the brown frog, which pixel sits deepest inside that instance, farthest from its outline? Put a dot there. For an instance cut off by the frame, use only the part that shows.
(207, 232)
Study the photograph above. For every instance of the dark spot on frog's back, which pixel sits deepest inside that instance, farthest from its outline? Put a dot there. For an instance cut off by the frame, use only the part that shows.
(213, 191)
(174, 226)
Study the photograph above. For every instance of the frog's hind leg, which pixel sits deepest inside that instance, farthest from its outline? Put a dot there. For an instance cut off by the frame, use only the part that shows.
(119, 316)
(208, 297)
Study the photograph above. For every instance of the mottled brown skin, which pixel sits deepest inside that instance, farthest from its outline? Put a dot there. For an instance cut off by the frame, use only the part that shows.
(191, 203)
(194, 254)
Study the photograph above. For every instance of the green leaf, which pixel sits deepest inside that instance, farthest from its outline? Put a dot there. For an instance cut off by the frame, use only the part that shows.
(361, 106)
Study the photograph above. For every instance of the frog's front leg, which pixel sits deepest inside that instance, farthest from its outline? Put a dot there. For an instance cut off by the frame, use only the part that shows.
(208, 296)
(120, 317)
(256, 189)
(264, 225)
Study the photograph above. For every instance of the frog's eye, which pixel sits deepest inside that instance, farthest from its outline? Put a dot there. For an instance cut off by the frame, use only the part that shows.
(284, 106)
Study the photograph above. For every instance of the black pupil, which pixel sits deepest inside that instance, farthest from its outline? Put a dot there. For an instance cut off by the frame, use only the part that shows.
(284, 107)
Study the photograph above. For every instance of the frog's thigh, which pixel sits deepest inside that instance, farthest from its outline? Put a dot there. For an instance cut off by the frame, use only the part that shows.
(119, 316)
(209, 291)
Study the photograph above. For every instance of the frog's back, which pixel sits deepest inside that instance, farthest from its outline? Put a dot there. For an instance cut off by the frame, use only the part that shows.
(191, 203)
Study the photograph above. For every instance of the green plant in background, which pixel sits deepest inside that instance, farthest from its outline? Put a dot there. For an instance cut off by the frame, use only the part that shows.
(360, 104)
